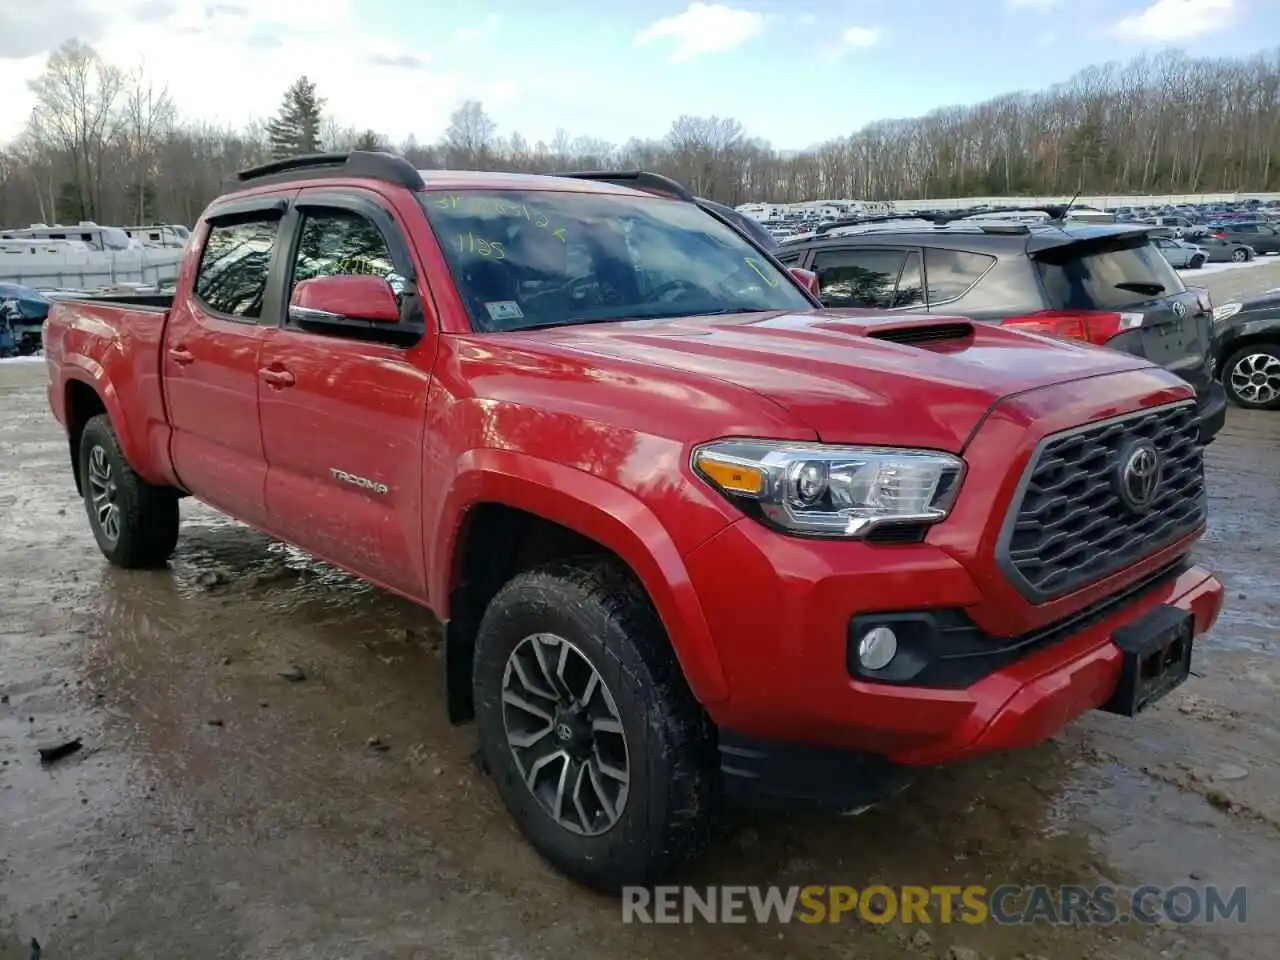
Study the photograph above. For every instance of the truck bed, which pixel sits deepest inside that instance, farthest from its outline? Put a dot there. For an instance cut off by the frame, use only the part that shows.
(109, 347)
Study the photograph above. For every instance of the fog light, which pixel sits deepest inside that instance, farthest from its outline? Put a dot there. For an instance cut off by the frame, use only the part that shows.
(877, 647)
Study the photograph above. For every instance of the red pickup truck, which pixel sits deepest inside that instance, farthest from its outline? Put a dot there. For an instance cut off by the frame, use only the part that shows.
(691, 536)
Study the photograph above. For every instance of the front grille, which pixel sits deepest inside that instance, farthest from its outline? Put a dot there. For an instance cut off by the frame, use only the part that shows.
(1071, 526)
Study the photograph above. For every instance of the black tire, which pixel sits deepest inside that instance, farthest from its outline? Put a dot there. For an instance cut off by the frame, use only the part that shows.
(1239, 256)
(598, 605)
(146, 528)
(1271, 350)
(1197, 262)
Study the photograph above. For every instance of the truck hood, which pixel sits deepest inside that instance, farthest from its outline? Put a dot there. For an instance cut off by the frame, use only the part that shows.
(853, 376)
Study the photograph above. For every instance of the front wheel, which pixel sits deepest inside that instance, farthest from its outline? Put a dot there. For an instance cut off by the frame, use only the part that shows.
(1240, 256)
(134, 522)
(1252, 376)
(598, 748)
(1197, 262)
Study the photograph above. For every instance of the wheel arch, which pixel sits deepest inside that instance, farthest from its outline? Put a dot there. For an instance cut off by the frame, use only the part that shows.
(514, 512)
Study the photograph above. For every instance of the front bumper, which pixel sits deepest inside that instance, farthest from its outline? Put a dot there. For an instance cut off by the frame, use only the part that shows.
(1212, 408)
(782, 626)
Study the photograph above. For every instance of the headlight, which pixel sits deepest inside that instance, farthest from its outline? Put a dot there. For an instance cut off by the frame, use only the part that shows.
(821, 490)
(1226, 311)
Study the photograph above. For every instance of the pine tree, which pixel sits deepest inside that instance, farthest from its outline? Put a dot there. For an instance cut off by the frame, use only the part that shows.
(296, 130)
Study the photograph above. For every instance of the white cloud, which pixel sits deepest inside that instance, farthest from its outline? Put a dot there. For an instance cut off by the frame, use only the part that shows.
(860, 38)
(703, 28)
(228, 61)
(1038, 6)
(1167, 20)
(472, 33)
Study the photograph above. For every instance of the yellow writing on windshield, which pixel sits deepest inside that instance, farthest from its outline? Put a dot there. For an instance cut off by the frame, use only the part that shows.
(758, 267)
(482, 206)
(469, 243)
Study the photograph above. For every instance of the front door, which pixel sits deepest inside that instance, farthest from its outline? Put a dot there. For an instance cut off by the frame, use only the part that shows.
(343, 408)
(210, 362)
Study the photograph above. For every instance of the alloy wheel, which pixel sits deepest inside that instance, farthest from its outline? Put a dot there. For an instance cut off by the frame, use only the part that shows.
(563, 728)
(104, 494)
(1256, 378)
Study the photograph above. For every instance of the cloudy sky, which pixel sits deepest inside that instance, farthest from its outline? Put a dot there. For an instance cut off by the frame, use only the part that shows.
(793, 71)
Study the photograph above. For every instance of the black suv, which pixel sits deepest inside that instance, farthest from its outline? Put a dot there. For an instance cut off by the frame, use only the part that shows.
(1103, 283)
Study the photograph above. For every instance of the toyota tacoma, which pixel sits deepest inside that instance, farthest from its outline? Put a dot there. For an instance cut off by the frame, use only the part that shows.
(691, 535)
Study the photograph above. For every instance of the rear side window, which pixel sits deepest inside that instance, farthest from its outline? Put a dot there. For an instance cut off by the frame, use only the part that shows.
(1112, 278)
(858, 278)
(952, 272)
(232, 278)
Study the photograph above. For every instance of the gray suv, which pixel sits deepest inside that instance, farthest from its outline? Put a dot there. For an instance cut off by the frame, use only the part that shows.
(1103, 283)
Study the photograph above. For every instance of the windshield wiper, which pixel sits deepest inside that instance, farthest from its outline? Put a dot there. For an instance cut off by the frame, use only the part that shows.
(1141, 286)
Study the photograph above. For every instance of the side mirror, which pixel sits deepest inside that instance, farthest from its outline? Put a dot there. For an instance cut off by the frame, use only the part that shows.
(348, 297)
(807, 279)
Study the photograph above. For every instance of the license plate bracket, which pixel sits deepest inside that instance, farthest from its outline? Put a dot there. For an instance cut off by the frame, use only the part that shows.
(1157, 658)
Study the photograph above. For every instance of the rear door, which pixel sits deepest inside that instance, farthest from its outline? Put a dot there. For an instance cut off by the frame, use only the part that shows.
(1128, 275)
(210, 358)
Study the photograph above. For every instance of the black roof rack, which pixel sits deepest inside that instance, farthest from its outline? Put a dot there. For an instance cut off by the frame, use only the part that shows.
(637, 179)
(858, 221)
(362, 164)
(1054, 211)
(937, 220)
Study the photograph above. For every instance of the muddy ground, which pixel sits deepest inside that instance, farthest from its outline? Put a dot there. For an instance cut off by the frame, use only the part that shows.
(218, 810)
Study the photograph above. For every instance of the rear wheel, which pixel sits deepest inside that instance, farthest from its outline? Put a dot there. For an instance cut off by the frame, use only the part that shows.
(134, 522)
(1252, 376)
(1240, 256)
(597, 746)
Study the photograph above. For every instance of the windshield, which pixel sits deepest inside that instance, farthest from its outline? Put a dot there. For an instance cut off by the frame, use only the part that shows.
(525, 259)
(1112, 278)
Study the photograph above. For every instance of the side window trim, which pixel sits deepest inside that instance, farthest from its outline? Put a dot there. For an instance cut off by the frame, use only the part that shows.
(404, 335)
(376, 213)
(924, 275)
(264, 209)
(918, 253)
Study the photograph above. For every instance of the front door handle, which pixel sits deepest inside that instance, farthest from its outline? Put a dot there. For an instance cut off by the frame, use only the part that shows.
(276, 377)
(181, 355)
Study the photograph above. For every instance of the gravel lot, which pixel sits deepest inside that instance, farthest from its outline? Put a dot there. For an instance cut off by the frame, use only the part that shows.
(218, 810)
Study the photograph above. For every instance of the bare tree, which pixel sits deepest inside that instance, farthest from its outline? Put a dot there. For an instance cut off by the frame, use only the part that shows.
(76, 113)
(469, 138)
(149, 117)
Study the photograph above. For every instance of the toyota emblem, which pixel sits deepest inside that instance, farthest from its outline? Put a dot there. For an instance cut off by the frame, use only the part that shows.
(1139, 478)
(1180, 308)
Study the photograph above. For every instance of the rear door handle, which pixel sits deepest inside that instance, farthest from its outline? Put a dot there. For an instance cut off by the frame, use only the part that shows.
(277, 378)
(181, 355)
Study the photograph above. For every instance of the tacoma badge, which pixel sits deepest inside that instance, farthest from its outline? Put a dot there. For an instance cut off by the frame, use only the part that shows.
(355, 481)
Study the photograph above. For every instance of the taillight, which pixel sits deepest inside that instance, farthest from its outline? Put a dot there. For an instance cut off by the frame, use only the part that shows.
(1091, 326)
(1220, 236)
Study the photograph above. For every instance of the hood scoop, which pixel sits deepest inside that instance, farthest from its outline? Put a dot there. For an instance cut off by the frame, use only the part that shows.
(925, 334)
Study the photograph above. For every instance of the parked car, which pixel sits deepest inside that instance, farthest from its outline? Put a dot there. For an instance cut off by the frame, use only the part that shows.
(22, 314)
(1263, 237)
(691, 536)
(1225, 251)
(1106, 284)
(1181, 254)
(1246, 350)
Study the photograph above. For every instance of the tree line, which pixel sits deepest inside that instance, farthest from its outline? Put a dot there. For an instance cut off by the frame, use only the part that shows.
(109, 145)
